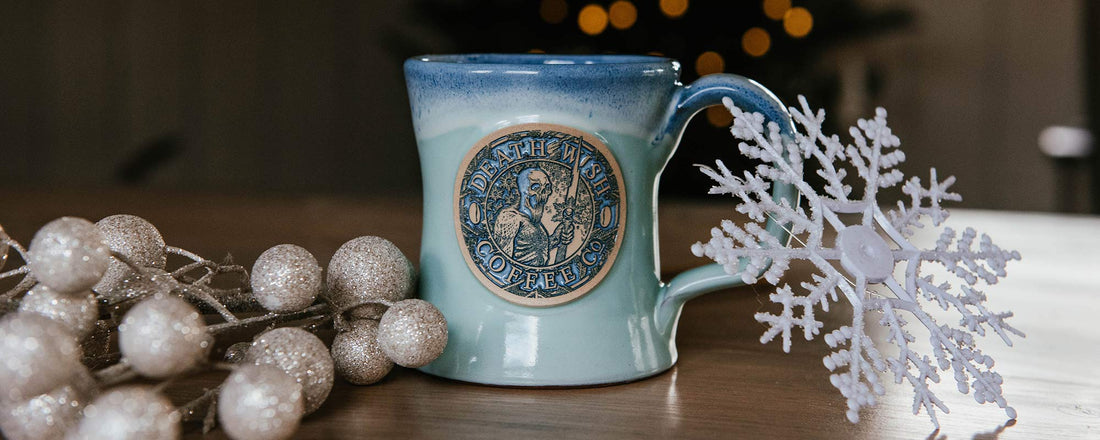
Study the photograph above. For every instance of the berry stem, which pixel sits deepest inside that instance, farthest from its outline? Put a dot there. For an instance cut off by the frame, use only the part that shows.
(115, 374)
(199, 293)
(15, 245)
(184, 253)
(24, 285)
(17, 271)
(188, 412)
(270, 318)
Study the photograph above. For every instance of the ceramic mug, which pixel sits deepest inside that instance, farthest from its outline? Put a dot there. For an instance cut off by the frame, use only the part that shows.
(540, 178)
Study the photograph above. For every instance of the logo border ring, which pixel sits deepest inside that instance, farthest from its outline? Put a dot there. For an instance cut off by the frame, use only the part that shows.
(594, 280)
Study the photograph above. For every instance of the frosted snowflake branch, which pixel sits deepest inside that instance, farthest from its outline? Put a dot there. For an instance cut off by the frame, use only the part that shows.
(865, 253)
(786, 168)
(987, 263)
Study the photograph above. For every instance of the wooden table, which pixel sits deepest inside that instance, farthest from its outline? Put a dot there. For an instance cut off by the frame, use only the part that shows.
(726, 383)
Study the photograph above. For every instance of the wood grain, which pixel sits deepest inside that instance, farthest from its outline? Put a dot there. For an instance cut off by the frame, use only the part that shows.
(725, 385)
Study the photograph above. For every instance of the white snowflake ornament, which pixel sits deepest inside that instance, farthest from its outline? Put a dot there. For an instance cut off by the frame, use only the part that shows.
(863, 264)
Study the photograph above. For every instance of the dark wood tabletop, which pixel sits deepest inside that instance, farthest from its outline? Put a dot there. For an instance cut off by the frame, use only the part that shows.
(725, 384)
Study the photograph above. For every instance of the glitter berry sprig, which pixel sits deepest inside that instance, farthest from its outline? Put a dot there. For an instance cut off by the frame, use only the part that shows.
(81, 283)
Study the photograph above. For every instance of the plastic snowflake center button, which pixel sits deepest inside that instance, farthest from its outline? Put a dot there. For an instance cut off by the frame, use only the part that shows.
(864, 252)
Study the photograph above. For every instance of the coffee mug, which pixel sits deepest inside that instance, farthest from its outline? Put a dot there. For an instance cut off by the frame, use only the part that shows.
(540, 179)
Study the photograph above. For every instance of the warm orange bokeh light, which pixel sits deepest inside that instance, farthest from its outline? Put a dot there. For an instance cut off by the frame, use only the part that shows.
(756, 42)
(798, 22)
(775, 9)
(623, 14)
(719, 116)
(553, 11)
(709, 62)
(674, 8)
(592, 19)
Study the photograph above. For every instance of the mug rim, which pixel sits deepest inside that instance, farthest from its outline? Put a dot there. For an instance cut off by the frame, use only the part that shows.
(540, 60)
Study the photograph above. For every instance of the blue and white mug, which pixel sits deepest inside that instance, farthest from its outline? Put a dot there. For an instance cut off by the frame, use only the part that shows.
(540, 238)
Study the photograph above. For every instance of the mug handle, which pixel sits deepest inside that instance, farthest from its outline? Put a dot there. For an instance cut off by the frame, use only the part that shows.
(689, 100)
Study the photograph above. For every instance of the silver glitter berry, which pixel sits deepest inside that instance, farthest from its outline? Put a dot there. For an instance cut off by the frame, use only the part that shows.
(286, 278)
(78, 312)
(69, 254)
(413, 333)
(37, 354)
(358, 357)
(368, 268)
(260, 402)
(128, 413)
(301, 355)
(135, 238)
(163, 336)
(48, 416)
(136, 285)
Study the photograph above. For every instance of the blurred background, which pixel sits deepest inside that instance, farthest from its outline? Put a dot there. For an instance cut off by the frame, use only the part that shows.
(308, 97)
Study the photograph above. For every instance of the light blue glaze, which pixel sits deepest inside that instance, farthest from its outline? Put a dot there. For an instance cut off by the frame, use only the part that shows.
(624, 329)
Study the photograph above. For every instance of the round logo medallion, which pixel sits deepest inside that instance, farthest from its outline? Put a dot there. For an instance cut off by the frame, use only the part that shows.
(540, 211)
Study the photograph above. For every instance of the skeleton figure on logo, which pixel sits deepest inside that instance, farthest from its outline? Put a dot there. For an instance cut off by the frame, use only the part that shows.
(519, 230)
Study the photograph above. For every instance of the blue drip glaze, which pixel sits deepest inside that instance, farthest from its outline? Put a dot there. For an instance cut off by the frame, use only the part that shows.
(619, 89)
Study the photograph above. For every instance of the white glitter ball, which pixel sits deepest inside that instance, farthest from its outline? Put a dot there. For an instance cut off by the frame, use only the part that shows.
(135, 238)
(69, 254)
(37, 354)
(163, 336)
(260, 402)
(48, 416)
(413, 333)
(138, 285)
(128, 413)
(286, 278)
(368, 268)
(301, 355)
(358, 357)
(78, 312)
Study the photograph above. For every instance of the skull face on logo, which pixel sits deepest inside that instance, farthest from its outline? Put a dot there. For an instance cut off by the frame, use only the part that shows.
(535, 188)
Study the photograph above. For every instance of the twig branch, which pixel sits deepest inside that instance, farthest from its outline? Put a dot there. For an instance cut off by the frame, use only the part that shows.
(200, 294)
(24, 285)
(17, 271)
(115, 374)
(188, 410)
(183, 252)
(268, 319)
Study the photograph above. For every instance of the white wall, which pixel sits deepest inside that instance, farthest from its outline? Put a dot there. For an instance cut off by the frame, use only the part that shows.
(972, 83)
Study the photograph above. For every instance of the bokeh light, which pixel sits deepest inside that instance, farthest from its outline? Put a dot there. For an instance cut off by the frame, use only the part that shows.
(623, 14)
(719, 116)
(775, 9)
(674, 8)
(553, 11)
(756, 42)
(798, 22)
(592, 19)
(709, 62)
